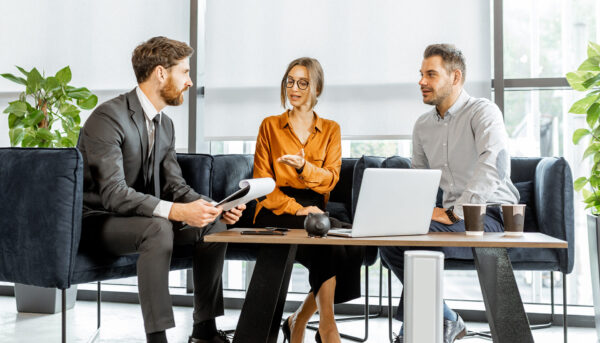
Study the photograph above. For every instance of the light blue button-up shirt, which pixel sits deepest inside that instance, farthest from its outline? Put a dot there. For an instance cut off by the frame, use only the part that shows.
(470, 146)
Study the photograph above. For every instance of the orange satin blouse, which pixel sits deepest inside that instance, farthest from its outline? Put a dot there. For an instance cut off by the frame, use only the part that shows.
(322, 153)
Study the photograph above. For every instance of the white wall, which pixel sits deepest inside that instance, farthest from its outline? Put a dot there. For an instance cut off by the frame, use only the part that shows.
(95, 38)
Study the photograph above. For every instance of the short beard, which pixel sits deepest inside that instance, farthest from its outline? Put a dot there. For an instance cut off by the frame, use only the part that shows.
(171, 95)
(441, 94)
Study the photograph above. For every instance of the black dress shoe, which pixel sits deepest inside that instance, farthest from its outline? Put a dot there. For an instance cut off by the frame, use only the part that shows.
(220, 337)
(454, 330)
(285, 329)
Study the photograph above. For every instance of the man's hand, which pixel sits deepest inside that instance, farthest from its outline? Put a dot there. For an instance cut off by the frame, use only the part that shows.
(197, 213)
(232, 216)
(304, 211)
(296, 161)
(440, 216)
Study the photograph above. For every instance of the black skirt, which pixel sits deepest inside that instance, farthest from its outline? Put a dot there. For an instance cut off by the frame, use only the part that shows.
(322, 261)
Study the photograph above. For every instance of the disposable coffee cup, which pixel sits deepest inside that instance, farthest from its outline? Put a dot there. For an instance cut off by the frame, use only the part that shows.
(514, 219)
(474, 218)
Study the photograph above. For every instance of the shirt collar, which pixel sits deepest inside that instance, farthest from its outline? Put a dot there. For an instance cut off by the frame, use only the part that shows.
(284, 120)
(460, 102)
(149, 109)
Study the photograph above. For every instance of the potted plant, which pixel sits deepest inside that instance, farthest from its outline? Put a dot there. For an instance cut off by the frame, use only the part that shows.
(46, 102)
(587, 79)
(46, 114)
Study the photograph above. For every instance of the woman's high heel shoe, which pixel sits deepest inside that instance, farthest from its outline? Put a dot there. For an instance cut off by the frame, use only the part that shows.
(318, 337)
(285, 328)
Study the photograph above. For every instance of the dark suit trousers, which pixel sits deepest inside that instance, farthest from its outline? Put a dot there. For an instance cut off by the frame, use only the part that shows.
(153, 239)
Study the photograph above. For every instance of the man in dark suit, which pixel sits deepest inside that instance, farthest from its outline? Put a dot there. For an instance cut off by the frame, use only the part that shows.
(136, 199)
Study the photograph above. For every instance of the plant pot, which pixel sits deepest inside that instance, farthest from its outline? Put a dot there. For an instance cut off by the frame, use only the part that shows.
(42, 300)
(594, 243)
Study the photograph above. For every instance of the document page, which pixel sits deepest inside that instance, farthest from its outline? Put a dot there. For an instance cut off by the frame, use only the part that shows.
(249, 189)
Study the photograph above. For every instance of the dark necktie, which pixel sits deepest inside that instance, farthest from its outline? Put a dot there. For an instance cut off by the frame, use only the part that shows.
(154, 162)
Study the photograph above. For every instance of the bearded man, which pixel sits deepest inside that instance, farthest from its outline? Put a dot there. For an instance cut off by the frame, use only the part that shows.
(465, 138)
(136, 200)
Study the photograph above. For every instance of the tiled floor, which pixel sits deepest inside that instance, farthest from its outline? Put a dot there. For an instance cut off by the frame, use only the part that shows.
(123, 323)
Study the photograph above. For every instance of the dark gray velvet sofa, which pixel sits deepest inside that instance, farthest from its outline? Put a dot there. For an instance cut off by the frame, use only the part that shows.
(43, 243)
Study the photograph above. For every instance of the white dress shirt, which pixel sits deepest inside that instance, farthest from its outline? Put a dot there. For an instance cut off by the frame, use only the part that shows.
(470, 146)
(164, 207)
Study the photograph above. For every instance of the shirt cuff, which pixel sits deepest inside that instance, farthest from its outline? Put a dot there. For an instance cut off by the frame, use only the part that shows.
(163, 209)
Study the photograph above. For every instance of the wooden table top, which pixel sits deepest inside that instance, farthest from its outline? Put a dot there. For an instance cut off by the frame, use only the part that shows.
(433, 239)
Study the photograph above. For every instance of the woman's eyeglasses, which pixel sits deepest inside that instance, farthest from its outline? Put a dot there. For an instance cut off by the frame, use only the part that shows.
(302, 84)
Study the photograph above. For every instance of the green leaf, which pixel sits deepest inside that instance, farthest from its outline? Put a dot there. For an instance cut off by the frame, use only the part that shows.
(582, 105)
(15, 79)
(18, 108)
(23, 71)
(44, 134)
(594, 181)
(593, 49)
(591, 82)
(67, 123)
(16, 136)
(592, 114)
(66, 142)
(69, 110)
(34, 80)
(579, 134)
(579, 183)
(33, 118)
(64, 75)
(51, 84)
(577, 78)
(29, 140)
(79, 93)
(586, 193)
(14, 121)
(89, 103)
(592, 149)
(591, 64)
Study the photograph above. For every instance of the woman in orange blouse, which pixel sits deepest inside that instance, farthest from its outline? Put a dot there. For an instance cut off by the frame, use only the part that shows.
(302, 152)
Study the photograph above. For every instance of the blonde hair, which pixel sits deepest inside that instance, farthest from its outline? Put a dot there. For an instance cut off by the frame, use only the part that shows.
(315, 74)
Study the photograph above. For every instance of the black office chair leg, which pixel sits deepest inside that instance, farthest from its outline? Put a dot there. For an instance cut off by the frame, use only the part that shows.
(390, 331)
(366, 315)
(96, 333)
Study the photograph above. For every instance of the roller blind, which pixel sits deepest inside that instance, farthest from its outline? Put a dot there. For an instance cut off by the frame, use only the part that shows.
(95, 38)
(371, 53)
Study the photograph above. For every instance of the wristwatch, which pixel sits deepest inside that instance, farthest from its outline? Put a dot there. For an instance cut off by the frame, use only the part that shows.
(451, 216)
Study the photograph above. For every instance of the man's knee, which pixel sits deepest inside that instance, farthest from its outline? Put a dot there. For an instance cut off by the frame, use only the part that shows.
(160, 234)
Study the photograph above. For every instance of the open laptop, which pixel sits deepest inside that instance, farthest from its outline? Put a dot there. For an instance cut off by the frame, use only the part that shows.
(394, 202)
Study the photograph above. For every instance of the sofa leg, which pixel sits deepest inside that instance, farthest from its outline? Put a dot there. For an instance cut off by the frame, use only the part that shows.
(64, 315)
(565, 323)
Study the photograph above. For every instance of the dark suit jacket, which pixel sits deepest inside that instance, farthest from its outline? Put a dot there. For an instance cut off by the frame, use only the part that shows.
(114, 144)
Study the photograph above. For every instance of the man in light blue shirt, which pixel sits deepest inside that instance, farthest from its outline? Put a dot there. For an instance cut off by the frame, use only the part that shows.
(465, 138)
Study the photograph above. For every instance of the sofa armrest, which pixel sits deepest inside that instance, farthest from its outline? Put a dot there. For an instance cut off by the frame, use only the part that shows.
(554, 205)
(41, 194)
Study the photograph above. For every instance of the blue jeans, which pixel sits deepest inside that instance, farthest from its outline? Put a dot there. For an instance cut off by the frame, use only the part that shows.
(393, 257)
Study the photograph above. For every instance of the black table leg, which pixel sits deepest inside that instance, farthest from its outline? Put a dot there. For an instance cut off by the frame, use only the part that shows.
(503, 305)
(261, 313)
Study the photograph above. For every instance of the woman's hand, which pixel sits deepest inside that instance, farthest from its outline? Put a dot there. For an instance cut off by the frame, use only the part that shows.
(304, 211)
(296, 161)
